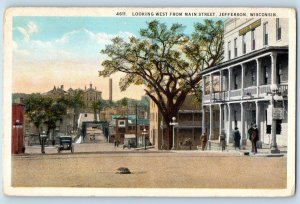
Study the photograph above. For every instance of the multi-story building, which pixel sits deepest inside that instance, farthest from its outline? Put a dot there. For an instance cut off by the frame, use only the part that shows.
(121, 126)
(89, 95)
(241, 89)
(188, 128)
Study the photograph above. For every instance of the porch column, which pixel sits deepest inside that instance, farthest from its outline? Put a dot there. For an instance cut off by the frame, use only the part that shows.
(220, 119)
(229, 82)
(225, 121)
(211, 122)
(229, 129)
(257, 118)
(203, 119)
(243, 81)
(203, 85)
(211, 86)
(242, 123)
(258, 68)
(273, 68)
(221, 81)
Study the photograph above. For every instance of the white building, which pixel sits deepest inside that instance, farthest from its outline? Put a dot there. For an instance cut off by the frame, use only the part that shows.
(238, 91)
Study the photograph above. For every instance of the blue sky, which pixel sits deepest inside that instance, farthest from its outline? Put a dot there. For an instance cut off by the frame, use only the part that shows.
(66, 50)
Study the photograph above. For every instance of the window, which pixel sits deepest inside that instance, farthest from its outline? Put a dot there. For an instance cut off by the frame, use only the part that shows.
(253, 78)
(253, 116)
(235, 81)
(266, 75)
(85, 115)
(278, 29)
(235, 47)
(244, 43)
(253, 39)
(265, 33)
(279, 73)
(235, 118)
(229, 50)
(121, 123)
(268, 127)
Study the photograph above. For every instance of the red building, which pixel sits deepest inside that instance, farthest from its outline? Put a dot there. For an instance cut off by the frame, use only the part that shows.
(17, 139)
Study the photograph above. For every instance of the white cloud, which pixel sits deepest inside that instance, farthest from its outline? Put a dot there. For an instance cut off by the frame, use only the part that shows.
(28, 31)
(77, 45)
(32, 27)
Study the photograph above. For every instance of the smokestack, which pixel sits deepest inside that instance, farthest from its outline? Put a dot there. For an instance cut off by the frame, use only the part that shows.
(110, 89)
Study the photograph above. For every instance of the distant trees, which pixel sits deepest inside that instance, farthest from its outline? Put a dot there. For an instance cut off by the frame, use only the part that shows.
(35, 109)
(98, 107)
(75, 101)
(46, 110)
(166, 61)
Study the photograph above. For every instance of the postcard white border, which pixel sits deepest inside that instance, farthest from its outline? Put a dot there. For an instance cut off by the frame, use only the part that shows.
(146, 192)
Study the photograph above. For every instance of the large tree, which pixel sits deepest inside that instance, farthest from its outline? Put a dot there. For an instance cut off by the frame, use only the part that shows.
(166, 61)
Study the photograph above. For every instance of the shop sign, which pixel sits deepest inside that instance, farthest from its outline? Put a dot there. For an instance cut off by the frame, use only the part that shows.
(250, 27)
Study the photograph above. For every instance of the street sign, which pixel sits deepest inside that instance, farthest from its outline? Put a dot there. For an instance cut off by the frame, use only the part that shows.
(278, 113)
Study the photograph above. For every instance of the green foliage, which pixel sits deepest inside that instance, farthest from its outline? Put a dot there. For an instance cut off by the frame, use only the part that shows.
(74, 100)
(165, 60)
(46, 110)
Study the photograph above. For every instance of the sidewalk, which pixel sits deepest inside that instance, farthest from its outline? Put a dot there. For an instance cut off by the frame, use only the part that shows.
(96, 147)
(246, 150)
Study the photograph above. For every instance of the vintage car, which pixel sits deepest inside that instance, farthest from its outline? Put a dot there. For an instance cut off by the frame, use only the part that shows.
(65, 143)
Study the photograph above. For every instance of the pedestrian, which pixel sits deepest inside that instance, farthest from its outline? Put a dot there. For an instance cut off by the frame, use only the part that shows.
(237, 138)
(250, 131)
(190, 143)
(203, 140)
(118, 142)
(222, 141)
(115, 143)
(254, 139)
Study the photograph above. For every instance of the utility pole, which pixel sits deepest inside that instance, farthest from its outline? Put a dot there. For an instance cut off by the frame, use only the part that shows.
(136, 124)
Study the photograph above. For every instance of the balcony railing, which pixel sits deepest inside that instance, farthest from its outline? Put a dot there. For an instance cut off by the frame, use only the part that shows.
(235, 93)
(283, 89)
(206, 99)
(250, 91)
(189, 123)
(264, 89)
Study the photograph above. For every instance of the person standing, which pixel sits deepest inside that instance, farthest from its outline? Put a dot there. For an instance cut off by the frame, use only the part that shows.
(254, 139)
(222, 140)
(237, 138)
(203, 140)
(250, 131)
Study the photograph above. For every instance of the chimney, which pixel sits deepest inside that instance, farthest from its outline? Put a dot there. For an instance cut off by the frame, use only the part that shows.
(110, 89)
(95, 88)
(62, 87)
(91, 85)
(85, 87)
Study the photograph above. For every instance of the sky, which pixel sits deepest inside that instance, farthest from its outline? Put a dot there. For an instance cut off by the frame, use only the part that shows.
(54, 51)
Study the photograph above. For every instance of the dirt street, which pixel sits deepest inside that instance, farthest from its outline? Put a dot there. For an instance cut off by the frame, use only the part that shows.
(149, 170)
